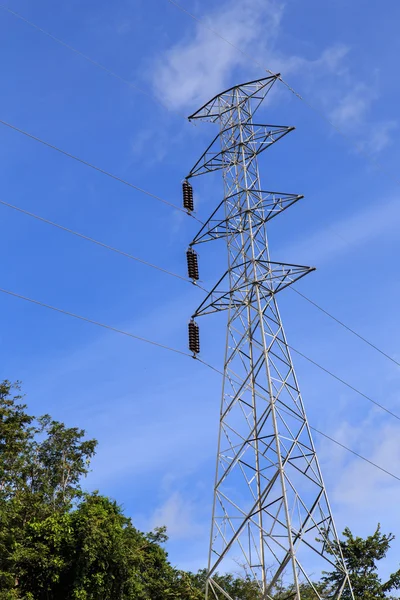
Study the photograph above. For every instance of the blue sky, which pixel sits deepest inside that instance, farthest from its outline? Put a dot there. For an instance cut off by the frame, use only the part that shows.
(153, 412)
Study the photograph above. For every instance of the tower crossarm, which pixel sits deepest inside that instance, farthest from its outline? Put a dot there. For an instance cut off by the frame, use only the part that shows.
(267, 205)
(234, 97)
(272, 277)
(255, 140)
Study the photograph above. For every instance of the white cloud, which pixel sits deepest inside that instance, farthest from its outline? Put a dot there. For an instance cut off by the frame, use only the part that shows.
(199, 66)
(379, 136)
(331, 60)
(202, 64)
(150, 146)
(351, 233)
(352, 114)
(353, 106)
(364, 493)
(178, 515)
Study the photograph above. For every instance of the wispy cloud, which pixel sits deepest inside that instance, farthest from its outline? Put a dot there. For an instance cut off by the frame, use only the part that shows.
(331, 60)
(352, 113)
(201, 64)
(352, 108)
(378, 137)
(150, 146)
(178, 514)
(356, 480)
(362, 495)
(347, 234)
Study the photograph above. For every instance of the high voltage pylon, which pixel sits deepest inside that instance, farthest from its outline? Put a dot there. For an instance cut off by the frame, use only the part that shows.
(271, 512)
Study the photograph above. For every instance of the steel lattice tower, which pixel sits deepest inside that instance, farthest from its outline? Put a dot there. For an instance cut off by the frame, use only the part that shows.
(271, 513)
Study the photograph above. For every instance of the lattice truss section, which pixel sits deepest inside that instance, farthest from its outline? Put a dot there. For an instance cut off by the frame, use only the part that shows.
(271, 513)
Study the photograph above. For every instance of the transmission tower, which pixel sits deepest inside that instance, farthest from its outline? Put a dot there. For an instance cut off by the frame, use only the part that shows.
(271, 513)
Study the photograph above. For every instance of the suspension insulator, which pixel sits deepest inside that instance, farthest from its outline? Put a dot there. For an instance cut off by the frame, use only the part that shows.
(192, 264)
(187, 196)
(194, 337)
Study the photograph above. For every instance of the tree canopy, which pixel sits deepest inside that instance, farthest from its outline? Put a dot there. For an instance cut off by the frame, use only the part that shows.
(361, 557)
(58, 542)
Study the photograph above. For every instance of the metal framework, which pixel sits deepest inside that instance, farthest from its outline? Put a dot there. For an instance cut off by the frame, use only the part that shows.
(271, 513)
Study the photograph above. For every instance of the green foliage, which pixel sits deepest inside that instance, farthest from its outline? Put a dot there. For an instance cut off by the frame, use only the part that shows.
(59, 543)
(42, 460)
(15, 439)
(361, 557)
(42, 463)
(60, 457)
(236, 587)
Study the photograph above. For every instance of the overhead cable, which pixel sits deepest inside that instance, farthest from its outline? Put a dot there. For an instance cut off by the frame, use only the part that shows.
(92, 166)
(115, 75)
(92, 322)
(93, 240)
(319, 112)
(87, 58)
(355, 453)
(328, 437)
(107, 173)
(172, 274)
(246, 54)
(176, 351)
(346, 327)
(351, 387)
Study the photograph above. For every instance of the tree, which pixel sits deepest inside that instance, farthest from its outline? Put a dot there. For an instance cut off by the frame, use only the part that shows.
(237, 587)
(42, 460)
(15, 437)
(59, 543)
(361, 557)
(42, 463)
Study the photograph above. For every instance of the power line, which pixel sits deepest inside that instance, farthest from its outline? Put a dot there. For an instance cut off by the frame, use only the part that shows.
(351, 387)
(184, 10)
(319, 112)
(93, 240)
(355, 453)
(115, 75)
(328, 437)
(115, 177)
(126, 81)
(215, 32)
(92, 166)
(176, 351)
(347, 327)
(244, 53)
(167, 272)
(87, 58)
(92, 322)
(176, 275)
(325, 435)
